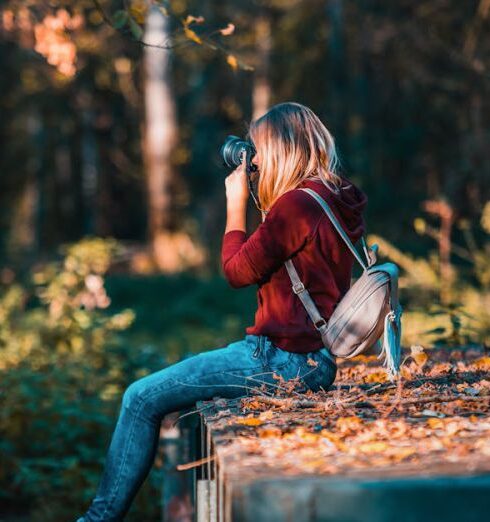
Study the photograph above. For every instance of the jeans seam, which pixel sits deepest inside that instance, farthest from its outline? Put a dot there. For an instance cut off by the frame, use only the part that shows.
(233, 370)
(128, 445)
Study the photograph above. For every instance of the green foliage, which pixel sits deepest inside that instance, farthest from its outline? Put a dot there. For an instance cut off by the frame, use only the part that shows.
(63, 367)
(67, 352)
(464, 318)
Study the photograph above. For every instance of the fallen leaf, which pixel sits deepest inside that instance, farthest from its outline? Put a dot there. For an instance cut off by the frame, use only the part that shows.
(250, 421)
(266, 415)
(483, 363)
(418, 354)
(435, 423)
(379, 376)
(373, 447)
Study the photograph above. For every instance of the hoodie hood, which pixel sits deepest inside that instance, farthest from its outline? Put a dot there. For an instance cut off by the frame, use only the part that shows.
(348, 204)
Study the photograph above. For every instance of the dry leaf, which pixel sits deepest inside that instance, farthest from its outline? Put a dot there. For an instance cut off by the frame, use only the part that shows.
(193, 19)
(138, 10)
(270, 431)
(483, 363)
(232, 61)
(229, 29)
(249, 421)
(435, 423)
(376, 377)
(192, 35)
(311, 362)
(373, 447)
(418, 354)
(266, 415)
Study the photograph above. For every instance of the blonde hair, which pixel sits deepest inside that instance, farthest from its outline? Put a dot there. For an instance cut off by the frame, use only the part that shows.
(293, 145)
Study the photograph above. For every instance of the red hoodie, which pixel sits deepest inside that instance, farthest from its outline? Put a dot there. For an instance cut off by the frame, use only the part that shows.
(297, 227)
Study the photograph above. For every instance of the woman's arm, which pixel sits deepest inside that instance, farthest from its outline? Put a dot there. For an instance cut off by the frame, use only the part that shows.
(236, 217)
(236, 199)
(289, 224)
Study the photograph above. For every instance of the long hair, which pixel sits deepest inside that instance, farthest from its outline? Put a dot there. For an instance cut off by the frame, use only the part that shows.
(293, 145)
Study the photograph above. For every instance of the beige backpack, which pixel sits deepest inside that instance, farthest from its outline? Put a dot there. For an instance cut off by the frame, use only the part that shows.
(368, 309)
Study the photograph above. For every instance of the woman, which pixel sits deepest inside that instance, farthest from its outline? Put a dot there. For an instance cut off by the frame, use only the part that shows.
(294, 149)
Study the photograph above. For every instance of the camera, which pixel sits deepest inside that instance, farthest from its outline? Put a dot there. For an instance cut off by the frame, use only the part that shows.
(232, 150)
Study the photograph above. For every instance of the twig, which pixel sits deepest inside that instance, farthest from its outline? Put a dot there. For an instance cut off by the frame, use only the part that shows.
(225, 386)
(396, 402)
(252, 378)
(197, 410)
(195, 463)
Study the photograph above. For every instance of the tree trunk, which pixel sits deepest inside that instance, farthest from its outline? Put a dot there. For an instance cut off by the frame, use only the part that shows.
(172, 249)
(261, 94)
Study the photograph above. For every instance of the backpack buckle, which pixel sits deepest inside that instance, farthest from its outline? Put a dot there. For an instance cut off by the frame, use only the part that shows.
(320, 324)
(298, 287)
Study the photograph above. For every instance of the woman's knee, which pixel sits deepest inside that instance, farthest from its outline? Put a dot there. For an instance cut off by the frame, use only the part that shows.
(135, 394)
(149, 396)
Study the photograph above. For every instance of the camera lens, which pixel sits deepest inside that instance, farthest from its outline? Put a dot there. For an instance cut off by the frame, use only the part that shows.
(232, 150)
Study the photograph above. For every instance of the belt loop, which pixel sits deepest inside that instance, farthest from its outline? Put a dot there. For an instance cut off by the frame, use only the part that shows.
(258, 348)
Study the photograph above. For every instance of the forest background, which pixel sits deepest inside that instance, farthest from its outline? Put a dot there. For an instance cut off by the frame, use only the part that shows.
(112, 194)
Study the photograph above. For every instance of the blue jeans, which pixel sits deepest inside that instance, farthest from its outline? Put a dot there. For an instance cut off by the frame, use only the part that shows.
(227, 372)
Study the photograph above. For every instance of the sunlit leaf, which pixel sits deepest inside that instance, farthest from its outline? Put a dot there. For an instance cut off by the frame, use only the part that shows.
(232, 61)
(192, 35)
(249, 421)
(229, 29)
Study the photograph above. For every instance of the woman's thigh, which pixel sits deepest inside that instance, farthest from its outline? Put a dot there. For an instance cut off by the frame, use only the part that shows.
(223, 372)
(236, 370)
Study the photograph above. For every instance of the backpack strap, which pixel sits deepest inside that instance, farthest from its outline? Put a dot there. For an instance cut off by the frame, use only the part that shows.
(299, 288)
(339, 228)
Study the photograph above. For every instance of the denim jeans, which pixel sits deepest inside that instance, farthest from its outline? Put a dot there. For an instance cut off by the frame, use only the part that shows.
(227, 372)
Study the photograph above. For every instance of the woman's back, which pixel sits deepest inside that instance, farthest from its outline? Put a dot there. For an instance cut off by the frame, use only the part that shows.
(296, 226)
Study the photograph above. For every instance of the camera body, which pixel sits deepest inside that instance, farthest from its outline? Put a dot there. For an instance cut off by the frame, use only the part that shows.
(232, 150)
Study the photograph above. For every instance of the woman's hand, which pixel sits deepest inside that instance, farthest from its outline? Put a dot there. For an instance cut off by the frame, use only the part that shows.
(236, 183)
(236, 199)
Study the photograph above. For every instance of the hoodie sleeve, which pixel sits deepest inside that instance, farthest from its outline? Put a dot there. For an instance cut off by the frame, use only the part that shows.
(289, 225)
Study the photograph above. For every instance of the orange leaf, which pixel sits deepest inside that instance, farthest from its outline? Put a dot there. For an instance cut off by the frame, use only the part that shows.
(250, 421)
(418, 355)
(192, 35)
(376, 377)
(232, 61)
(272, 431)
(373, 447)
(435, 423)
(483, 363)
